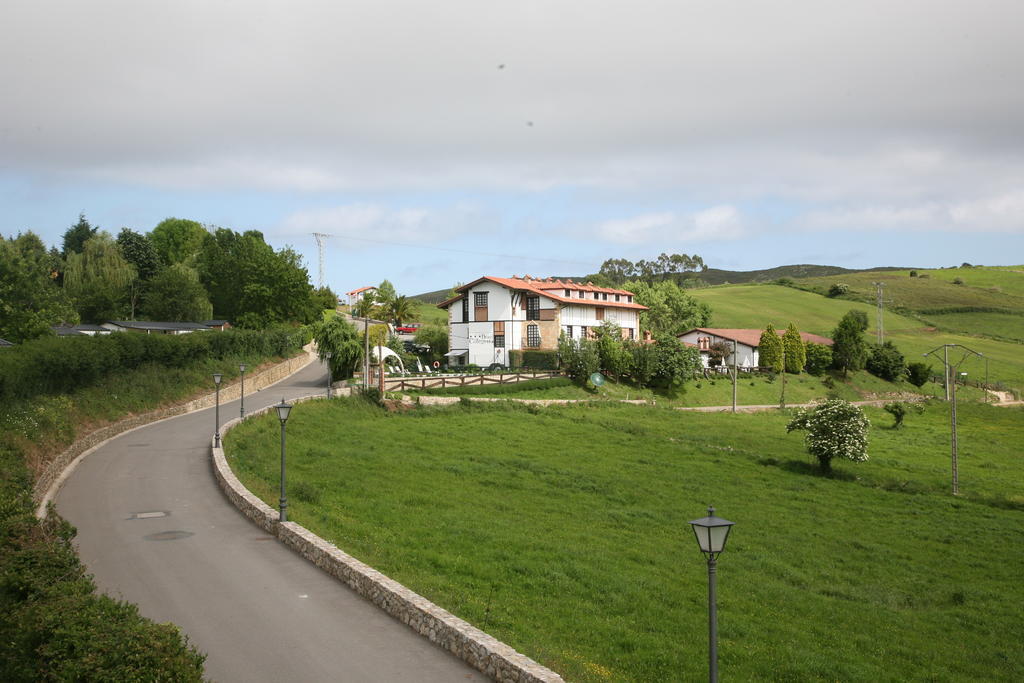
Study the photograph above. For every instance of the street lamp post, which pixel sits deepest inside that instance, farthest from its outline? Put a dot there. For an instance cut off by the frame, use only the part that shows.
(711, 533)
(330, 379)
(241, 399)
(217, 377)
(282, 414)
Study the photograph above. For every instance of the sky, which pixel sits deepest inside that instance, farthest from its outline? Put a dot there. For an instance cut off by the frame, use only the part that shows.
(438, 142)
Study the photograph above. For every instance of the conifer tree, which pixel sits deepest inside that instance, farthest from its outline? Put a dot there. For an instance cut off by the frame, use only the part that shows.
(770, 349)
(796, 353)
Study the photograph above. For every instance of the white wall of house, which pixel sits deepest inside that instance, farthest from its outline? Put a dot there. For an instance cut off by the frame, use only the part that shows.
(578, 317)
(746, 356)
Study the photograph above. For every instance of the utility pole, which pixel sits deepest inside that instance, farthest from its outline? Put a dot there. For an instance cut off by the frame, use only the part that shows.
(734, 376)
(881, 308)
(321, 244)
(949, 375)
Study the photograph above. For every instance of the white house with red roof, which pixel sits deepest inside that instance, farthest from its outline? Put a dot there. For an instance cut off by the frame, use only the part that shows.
(747, 342)
(356, 295)
(494, 315)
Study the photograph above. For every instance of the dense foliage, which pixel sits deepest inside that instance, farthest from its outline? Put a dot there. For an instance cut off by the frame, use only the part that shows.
(849, 348)
(671, 311)
(52, 365)
(886, 362)
(533, 359)
(664, 364)
(769, 349)
(795, 353)
(918, 373)
(819, 358)
(338, 340)
(835, 429)
(30, 299)
(677, 267)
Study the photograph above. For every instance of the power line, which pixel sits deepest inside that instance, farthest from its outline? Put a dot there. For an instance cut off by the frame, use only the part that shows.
(463, 251)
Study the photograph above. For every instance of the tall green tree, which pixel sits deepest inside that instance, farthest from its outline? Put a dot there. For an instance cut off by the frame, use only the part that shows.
(336, 336)
(178, 240)
(252, 285)
(137, 248)
(386, 293)
(30, 300)
(849, 347)
(367, 306)
(796, 352)
(99, 280)
(77, 235)
(176, 295)
(671, 311)
(400, 309)
(435, 337)
(769, 349)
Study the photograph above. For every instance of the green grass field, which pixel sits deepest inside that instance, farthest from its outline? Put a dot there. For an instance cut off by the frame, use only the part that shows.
(756, 305)
(999, 326)
(563, 531)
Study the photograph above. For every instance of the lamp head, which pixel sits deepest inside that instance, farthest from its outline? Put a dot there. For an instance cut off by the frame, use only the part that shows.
(711, 533)
(282, 410)
(217, 378)
(241, 367)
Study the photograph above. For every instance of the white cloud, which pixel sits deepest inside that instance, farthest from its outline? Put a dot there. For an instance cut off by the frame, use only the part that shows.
(373, 224)
(717, 223)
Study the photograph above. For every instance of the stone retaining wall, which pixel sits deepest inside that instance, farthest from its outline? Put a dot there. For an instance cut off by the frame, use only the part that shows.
(49, 482)
(449, 400)
(476, 648)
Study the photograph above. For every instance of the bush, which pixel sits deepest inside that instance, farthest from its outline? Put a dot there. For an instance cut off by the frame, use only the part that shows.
(838, 289)
(887, 362)
(913, 273)
(537, 360)
(819, 359)
(958, 281)
(835, 429)
(918, 373)
(899, 410)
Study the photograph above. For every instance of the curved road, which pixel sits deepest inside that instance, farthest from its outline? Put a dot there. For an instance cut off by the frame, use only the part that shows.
(259, 610)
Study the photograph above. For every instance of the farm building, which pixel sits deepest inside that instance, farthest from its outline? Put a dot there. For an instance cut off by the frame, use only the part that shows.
(746, 340)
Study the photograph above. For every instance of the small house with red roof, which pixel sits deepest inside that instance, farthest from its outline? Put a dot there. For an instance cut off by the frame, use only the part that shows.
(356, 295)
(747, 342)
(491, 316)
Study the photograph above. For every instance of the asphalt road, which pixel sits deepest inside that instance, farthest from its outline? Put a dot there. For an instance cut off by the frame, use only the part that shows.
(259, 611)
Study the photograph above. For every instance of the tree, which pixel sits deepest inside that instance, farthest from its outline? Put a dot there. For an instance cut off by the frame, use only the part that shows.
(325, 299)
(819, 359)
(30, 300)
(671, 311)
(386, 293)
(835, 429)
(99, 280)
(838, 289)
(77, 235)
(336, 336)
(436, 338)
(849, 348)
(718, 352)
(251, 284)
(769, 349)
(615, 360)
(899, 410)
(177, 240)
(579, 357)
(176, 295)
(139, 251)
(887, 362)
(366, 306)
(796, 353)
(918, 373)
(400, 309)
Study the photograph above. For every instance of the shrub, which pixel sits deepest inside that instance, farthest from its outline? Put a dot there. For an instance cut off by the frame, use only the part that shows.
(835, 429)
(899, 410)
(838, 289)
(819, 359)
(887, 362)
(958, 281)
(913, 273)
(918, 373)
(539, 360)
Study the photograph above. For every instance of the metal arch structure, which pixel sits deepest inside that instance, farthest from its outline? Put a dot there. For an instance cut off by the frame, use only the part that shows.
(321, 245)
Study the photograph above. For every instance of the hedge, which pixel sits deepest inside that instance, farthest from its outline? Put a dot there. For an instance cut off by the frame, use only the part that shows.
(57, 365)
(538, 360)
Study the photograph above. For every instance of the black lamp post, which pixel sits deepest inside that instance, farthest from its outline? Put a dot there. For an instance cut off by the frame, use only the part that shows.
(282, 414)
(216, 415)
(330, 379)
(711, 534)
(241, 408)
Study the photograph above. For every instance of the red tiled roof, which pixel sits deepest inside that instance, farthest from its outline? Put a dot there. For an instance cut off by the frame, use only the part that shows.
(546, 288)
(361, 289)
(752, 338)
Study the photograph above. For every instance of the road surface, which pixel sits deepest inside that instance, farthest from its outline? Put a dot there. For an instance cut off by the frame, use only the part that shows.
(154, 529)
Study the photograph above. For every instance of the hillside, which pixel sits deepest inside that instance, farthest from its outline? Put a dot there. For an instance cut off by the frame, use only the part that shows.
(715, 276)
(757, 305)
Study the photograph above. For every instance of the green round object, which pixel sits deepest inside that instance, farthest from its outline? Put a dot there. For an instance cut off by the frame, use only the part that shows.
(597, 378)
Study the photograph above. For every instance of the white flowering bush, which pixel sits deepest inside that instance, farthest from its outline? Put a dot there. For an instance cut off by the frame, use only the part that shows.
(835, 429)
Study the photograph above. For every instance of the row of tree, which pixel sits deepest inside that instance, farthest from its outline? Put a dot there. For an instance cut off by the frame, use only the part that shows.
(616, 271)
(180, 271)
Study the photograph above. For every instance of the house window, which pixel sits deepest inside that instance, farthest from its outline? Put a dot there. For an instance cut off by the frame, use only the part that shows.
(629, 299)
(583, 331)
(567, 294)
(480, 299)
(532, 336)
(582, 294)
(533, 308)
(616, 297)
(604, 296)
(597, 295)
(568, 331)
(599, 313)
(630, 331)
(465, 309)
(499, 341)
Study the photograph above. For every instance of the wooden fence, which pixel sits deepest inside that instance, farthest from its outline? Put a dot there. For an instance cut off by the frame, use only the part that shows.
(445, 381)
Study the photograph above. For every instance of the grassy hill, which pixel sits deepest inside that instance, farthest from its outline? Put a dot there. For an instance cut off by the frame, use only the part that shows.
(757, 305)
